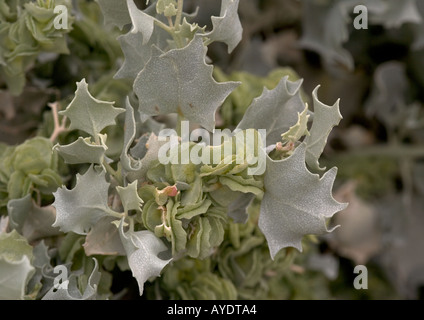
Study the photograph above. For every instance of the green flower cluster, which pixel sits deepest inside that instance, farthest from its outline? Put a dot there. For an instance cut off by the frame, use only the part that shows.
(26, 29)
(188, 203)
(23, 168)
(240, 269)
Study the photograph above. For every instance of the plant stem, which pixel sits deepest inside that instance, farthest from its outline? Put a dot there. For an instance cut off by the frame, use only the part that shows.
(168, 29)
(116, 214)
(112, 172)
(171, 24)
(180, 5)
(58, 127)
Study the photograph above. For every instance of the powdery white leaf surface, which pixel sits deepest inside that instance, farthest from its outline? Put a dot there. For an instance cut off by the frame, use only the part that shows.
(141, 21)
(72, 291)
(137, 53)
(274, 110)
(143, 248)
(88, 113)
(190, 88)
(114, 14)
(227, 27)
(79, 209)
(296, 202)
(81, 151)
(325, 118)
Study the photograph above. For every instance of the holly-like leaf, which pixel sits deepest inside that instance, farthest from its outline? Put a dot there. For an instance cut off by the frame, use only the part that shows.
(117, 15)
(77, 210)
(227, 27)
(325, 118)
(296, 202)
(88, 113)
(129, 197)
(143, 248)
(82, 151)
(137, 53)
(274, 110)
(30, 220)
(190, 89)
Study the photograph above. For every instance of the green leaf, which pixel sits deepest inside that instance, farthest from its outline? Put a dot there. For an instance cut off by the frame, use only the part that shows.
(129, 197)
(30, 220)
(79, 209)
(166, 7)
(13, 246)
(33, 156)
(190, 89)
(227, 27)
(299, 129)
(82, 151)
(296, 202)
(275, 110)
(113, 14)
(325, 118)
(143, 248)
(89, 114)
(188, 30)
(72, 292)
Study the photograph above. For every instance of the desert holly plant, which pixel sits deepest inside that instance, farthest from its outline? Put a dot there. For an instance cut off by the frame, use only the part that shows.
(169, 195)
